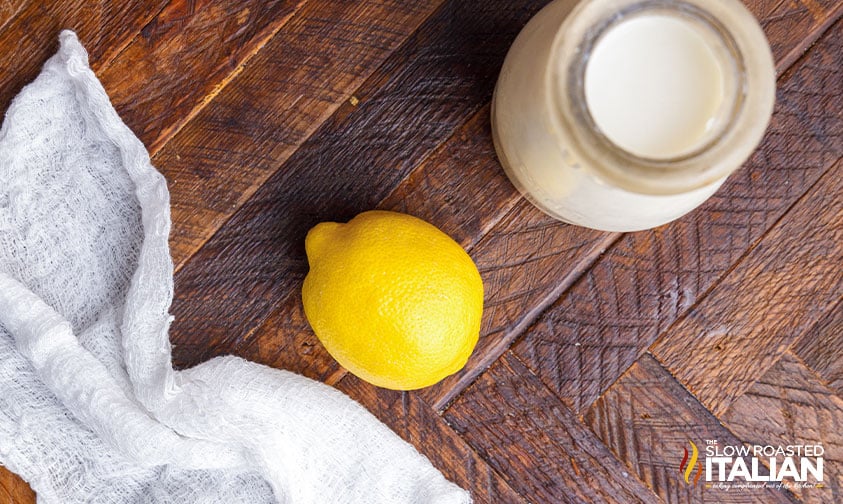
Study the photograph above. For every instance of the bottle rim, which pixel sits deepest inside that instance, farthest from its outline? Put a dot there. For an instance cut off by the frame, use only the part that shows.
(742, 120)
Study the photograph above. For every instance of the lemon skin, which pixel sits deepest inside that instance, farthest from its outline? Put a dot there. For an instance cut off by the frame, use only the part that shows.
(393, 299)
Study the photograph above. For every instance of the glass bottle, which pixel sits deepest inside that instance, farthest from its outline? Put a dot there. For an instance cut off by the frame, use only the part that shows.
(622, 115)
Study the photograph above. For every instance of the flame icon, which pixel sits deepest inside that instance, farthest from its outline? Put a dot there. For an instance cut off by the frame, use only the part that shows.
(686, 470)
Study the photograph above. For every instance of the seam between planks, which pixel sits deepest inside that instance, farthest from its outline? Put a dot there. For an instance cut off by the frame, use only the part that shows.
(531, 316)
(14, 15)
(813, 37)
(795, 54)
(814, 375)
(253, 190)
(825, 310)
(693, 397)
(222, 83)
(106, 62)
(702, 297)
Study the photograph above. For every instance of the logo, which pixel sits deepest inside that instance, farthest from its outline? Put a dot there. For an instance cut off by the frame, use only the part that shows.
(726, 467)
(689, 468)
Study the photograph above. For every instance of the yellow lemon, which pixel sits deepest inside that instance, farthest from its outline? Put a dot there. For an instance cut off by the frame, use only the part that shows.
(394, 300)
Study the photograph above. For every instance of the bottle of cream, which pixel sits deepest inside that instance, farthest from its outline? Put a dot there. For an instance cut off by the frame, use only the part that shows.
(623, 115)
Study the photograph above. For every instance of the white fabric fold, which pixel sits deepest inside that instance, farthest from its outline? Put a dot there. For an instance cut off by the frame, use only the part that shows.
(91, 409)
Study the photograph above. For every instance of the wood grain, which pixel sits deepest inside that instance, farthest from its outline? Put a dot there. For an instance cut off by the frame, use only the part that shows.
(537, 443)
(821, 348)
(466, 203)
(30, 36)
(526, 261)
(184, 57)
(788, 406)
(810, 18)
(413, 420)
(600, 326)
(9, 9)
(527, 258)
(14, 490)
(286, 341)
(776, 293)
(290, 87)
(404, 111)
(647, 419)
(267, 117)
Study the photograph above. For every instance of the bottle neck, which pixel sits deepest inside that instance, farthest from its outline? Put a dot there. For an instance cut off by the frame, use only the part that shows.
(653, 92)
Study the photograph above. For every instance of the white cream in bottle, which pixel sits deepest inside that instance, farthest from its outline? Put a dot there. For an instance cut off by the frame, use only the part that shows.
(654, 86)
(623, 115)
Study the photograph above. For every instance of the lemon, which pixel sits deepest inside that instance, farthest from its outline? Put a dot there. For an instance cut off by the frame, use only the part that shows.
(392, 298)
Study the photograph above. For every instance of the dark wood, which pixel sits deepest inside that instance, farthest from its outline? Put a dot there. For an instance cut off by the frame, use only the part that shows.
(219, 159)
(30, 35)
(536, 442)
(267, 117)
(821, 348)
(646, 418)
(777, 292)
(404, 111)
(13, 489)
(793, 27)
(527, 260)
(286, 341)
(184, 57)
(789, 403)
(592, 334)
(458, 201)
(413, 420)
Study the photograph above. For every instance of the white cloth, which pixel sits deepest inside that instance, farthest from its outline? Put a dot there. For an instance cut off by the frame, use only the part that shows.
(91, 409)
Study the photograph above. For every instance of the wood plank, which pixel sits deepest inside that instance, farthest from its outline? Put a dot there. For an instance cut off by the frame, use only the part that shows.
(404, 111)
(527, 259)
(599, 327)
(821, 348)
(646, 418)
(14, 490)
(419, 425)
(294, 83)
(537, 443)
(522, 278)
(284, 339)
(788, 406)
(775, 294)
(30, 36)
(809, 18)
(9, 9)
(184, 57)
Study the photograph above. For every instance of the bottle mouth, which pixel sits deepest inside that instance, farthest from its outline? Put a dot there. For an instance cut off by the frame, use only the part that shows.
(659, 84)
(718, 150)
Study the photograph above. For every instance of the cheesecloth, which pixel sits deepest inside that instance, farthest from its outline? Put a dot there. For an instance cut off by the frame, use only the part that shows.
(91, 409)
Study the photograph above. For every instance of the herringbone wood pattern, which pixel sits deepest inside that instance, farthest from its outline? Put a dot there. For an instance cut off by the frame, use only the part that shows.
(601, 354)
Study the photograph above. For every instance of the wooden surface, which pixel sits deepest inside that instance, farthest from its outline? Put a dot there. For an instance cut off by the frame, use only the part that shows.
(601, 354)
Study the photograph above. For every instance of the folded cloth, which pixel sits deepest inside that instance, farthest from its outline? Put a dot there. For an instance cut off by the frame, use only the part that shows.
(91, 409)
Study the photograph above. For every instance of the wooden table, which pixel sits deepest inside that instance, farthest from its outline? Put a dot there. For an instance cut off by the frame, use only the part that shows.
(601, 354)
